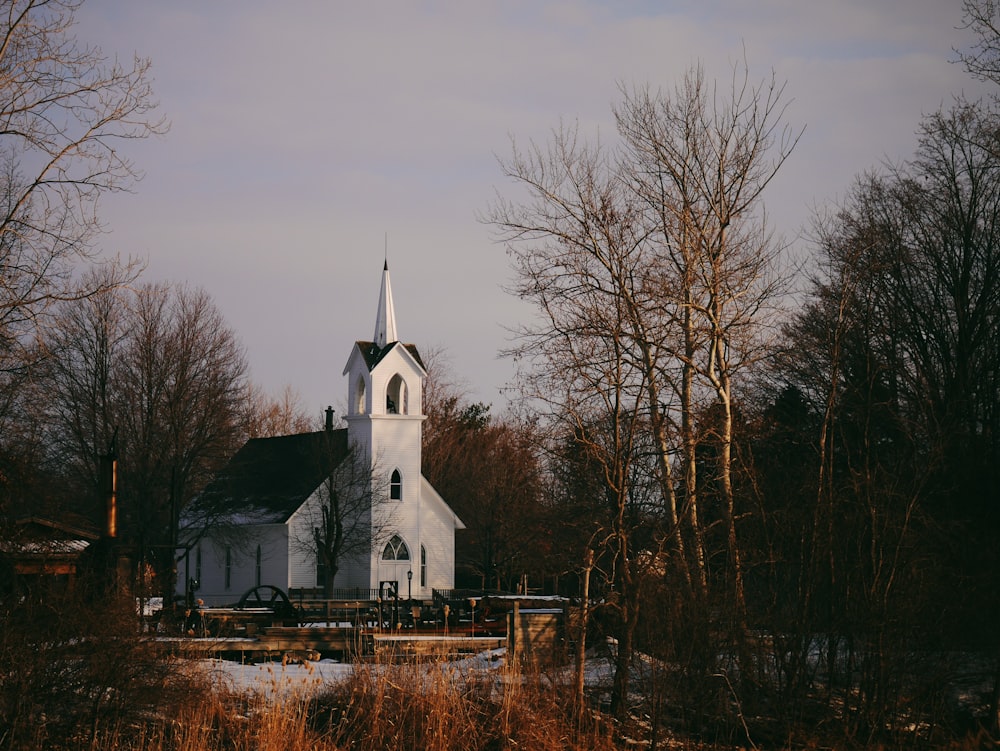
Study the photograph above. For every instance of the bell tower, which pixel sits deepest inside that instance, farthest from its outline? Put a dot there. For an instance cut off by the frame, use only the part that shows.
(385, 376)
(385, 382)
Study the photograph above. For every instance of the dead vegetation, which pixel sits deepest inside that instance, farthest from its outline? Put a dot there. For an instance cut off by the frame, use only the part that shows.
(82, 676)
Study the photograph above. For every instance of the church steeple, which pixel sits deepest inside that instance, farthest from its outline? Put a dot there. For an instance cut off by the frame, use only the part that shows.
(385, 318)
(386, 376)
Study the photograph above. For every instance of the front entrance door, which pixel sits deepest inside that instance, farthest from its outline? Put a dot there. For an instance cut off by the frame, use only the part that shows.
(394, 565)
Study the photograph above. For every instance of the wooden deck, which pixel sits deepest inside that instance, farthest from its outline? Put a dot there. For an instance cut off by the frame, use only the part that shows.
(350, 630)
(275, 642)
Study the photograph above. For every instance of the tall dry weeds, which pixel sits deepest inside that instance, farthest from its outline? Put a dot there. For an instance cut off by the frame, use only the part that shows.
(434, 706)
(428, 705)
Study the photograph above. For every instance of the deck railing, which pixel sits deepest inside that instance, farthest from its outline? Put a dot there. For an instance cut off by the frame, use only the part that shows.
(342, 594)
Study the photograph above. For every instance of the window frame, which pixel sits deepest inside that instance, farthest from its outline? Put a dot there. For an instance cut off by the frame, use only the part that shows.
(396, 485)
(400, 550)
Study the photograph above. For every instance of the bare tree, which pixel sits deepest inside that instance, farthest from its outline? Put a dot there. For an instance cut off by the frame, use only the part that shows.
(895, 351)
(65, 110)
(702, 159)
(350, 514)
(158, 366)
(266, 416)
(489, 471)
(983, 58)
(85, 342)
(184, 378)
(652, 270)
(577, 246)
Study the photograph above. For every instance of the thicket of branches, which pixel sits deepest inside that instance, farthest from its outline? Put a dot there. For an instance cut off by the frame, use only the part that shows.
(488, 469)
(75, 671)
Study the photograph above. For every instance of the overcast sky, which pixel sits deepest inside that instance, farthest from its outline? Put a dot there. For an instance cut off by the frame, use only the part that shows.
(305, 133)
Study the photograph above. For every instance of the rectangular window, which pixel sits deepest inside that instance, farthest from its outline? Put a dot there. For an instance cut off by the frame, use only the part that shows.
(320, 565)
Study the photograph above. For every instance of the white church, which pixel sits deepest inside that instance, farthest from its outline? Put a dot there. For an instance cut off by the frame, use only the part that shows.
(253, 525)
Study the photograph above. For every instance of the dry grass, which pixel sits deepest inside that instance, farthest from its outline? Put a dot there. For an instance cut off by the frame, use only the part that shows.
(80, 677)
(426, 706)
(435, 706)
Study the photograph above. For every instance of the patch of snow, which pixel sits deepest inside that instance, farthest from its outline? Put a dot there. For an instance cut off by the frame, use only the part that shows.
(274, 678)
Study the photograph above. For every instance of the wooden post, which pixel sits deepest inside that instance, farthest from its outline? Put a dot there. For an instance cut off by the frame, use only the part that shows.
(581, 637)
(513, 630)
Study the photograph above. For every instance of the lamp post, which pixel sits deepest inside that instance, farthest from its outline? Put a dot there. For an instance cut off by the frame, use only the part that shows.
(409, 598)
(472, 603)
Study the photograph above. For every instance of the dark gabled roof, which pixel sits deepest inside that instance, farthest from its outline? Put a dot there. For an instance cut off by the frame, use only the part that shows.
(270, 478)
(41, 538)
(68, 527)
(373, 354)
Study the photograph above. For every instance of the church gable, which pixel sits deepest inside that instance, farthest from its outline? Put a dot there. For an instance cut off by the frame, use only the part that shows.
(373, 354)
(384, 380)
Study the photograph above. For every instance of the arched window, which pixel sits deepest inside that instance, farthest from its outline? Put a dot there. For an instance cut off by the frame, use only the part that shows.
(396, 486)
(396, 550)
(359, 395)
(423, 566)
(396, 396)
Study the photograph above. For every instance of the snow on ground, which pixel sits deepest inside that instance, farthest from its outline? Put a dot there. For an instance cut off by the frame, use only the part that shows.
(275, 678)
(292, 678)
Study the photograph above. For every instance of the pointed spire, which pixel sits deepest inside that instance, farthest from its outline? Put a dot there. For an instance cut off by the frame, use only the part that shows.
(385, 318)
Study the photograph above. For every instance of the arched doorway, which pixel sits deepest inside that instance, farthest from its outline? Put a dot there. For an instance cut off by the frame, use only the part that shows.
(394, 563)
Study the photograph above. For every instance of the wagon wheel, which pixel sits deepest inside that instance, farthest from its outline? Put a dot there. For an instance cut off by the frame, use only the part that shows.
(255, 598)
(268, 596)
